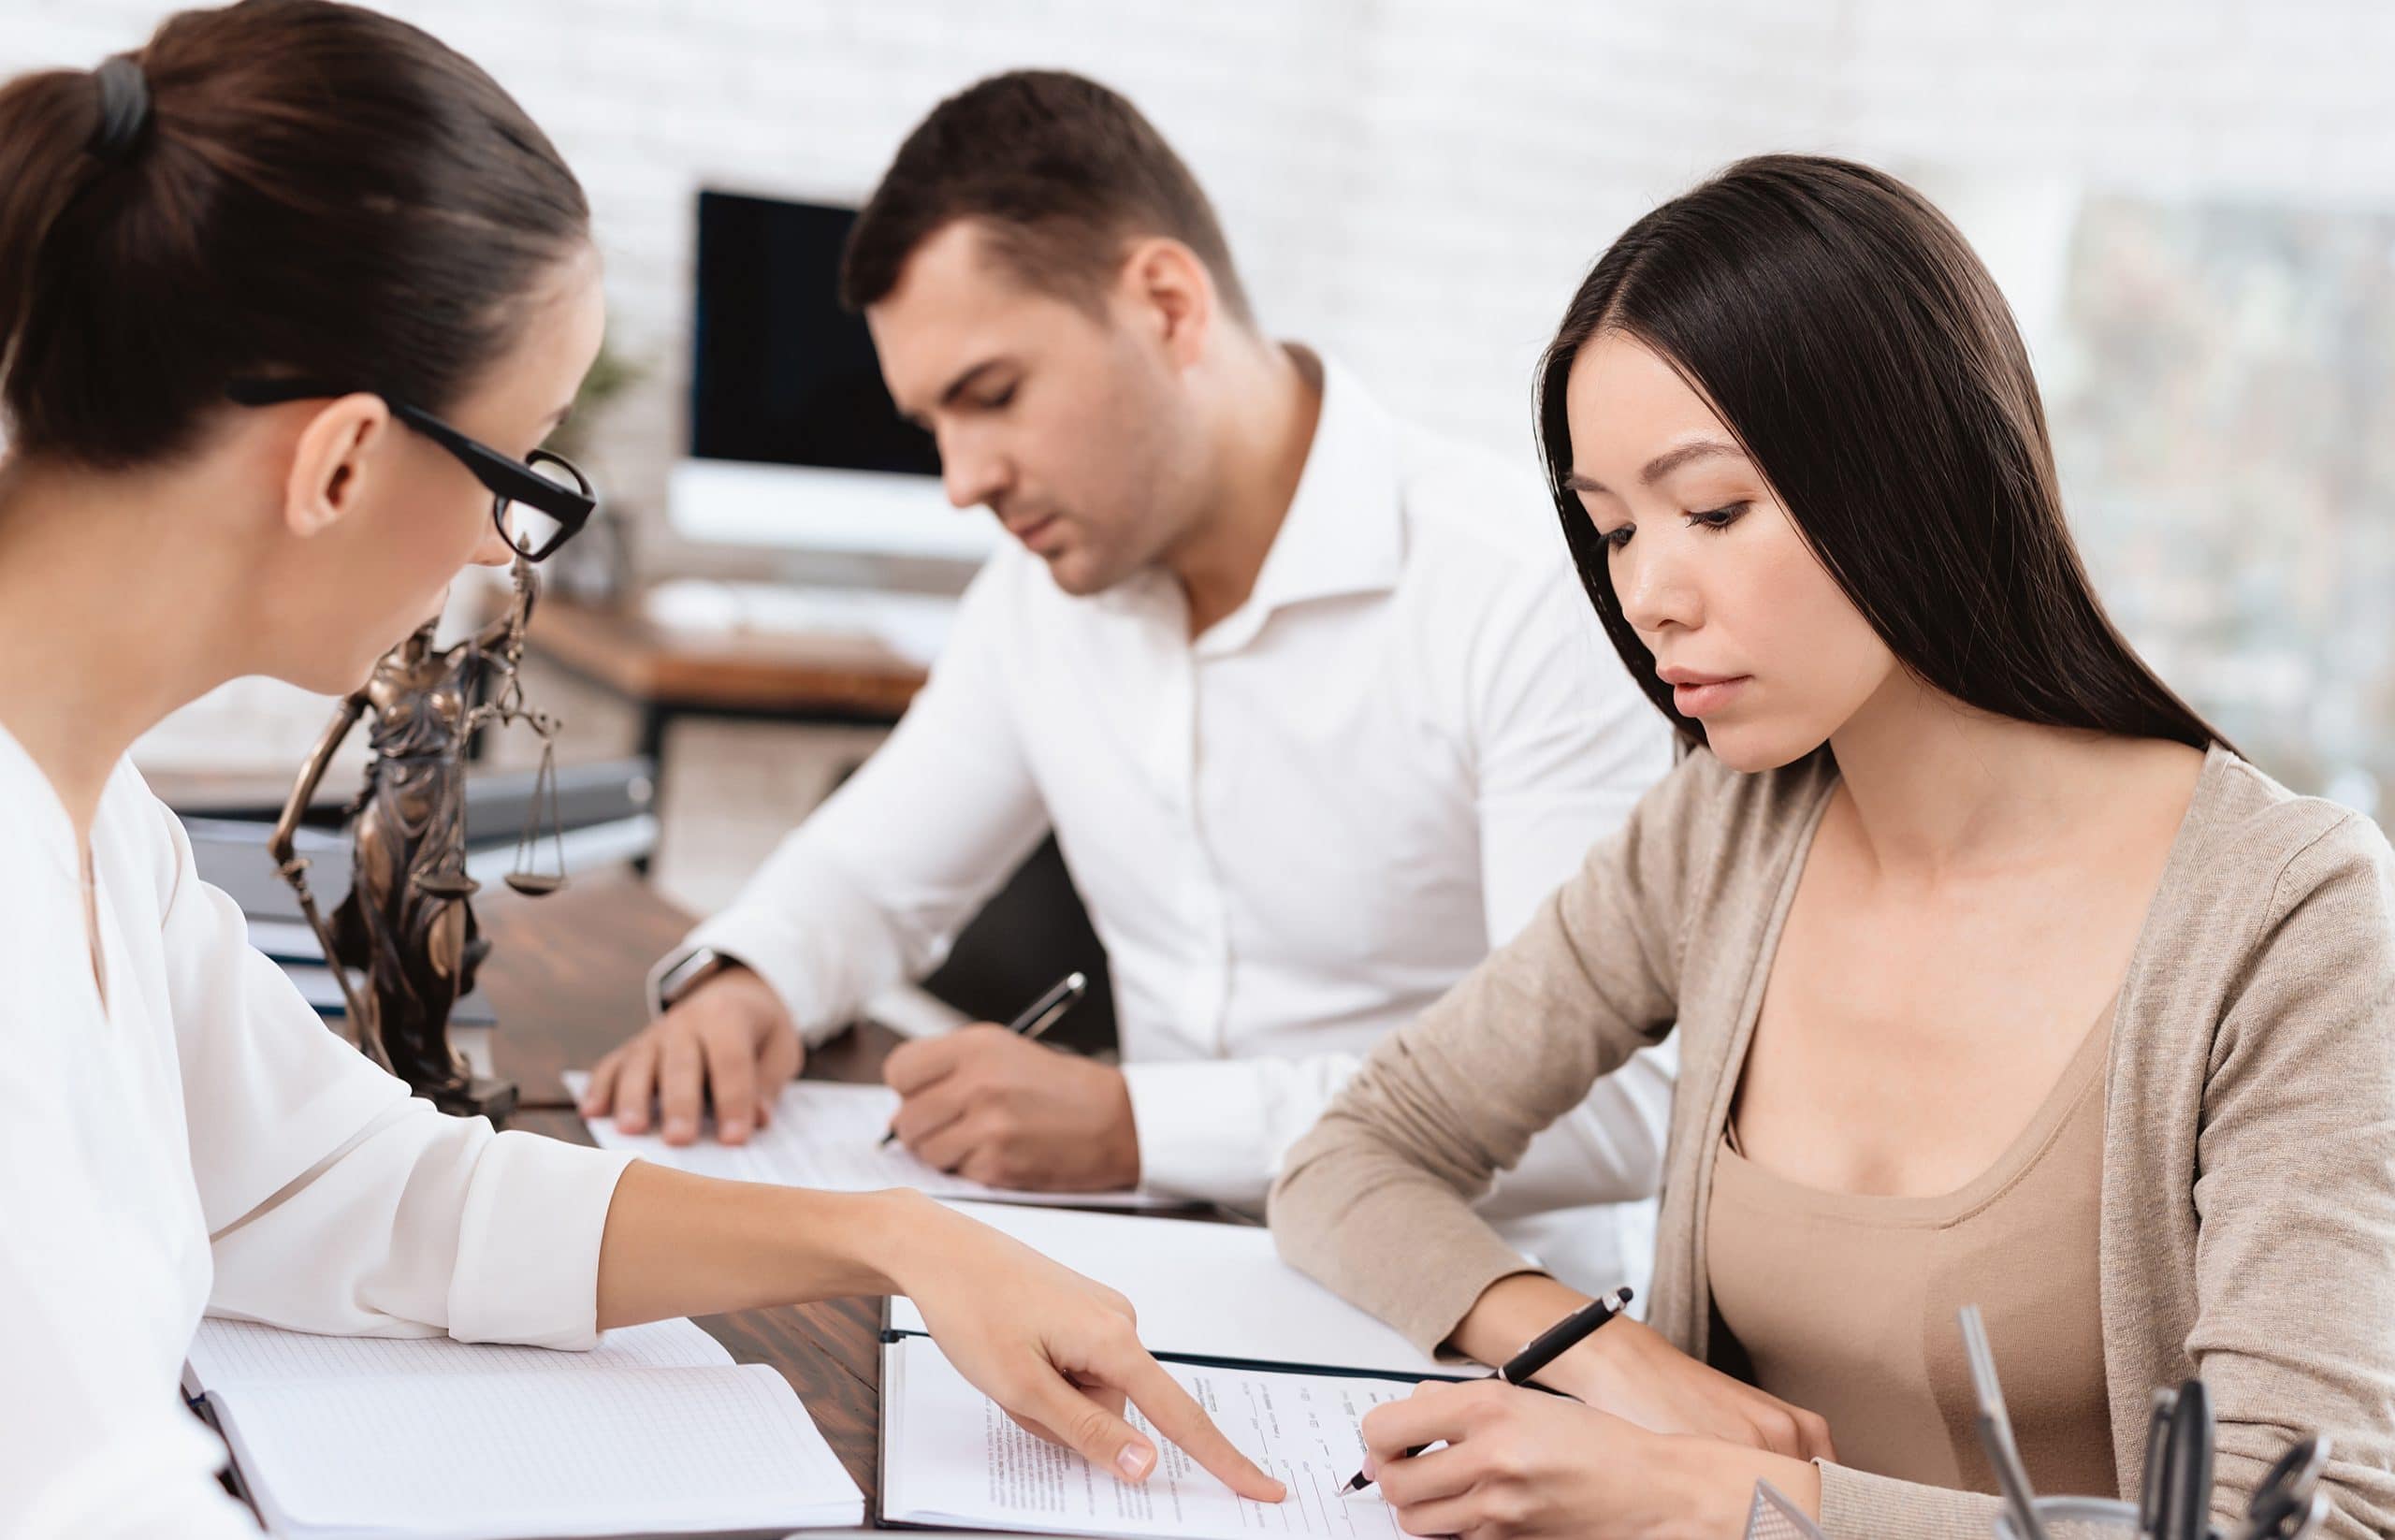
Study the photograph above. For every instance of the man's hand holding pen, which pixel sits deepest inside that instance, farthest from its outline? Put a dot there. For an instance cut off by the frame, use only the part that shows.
(991, 1105)
(998, 1107)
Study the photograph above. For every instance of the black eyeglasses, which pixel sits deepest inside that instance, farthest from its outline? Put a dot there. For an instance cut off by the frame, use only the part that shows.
(540, 502)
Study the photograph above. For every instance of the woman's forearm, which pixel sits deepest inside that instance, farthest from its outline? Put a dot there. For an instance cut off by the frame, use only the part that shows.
(679, 1244)
(1509, 1313)
(1055, 1350)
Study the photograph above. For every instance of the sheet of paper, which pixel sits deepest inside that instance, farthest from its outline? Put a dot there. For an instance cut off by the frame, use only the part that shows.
(1210, 1290)
(828, 1135)
(951, 1457)
(225, 1354)
(499, 1455)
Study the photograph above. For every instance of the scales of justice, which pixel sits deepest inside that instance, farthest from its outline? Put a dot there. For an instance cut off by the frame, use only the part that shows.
(408, 923)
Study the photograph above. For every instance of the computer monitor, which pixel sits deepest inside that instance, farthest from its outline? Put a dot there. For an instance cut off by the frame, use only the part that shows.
(794, 442)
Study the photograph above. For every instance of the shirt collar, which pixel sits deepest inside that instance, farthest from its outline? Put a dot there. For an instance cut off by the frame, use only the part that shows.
(1344, 533)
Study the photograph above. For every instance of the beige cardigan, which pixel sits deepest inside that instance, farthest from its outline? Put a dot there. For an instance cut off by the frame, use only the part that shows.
(2248, 1207)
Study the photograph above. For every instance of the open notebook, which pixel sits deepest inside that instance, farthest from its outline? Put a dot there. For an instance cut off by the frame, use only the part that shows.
(827, 1134)
(1285, 1368)
(655, 1430)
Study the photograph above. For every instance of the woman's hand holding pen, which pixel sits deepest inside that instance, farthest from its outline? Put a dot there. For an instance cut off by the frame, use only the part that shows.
(1635, 1373)
(1631, 1371)
(1058, 1352)
(1517, 1463)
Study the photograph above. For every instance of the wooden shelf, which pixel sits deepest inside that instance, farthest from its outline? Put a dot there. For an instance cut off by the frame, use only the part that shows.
(798, 674)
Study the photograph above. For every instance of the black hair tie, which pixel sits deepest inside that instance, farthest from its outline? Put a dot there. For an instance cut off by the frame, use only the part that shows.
(125, 108)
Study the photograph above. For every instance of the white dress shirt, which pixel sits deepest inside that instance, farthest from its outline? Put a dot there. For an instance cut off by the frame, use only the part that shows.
(200, 1142)
(1292, 833)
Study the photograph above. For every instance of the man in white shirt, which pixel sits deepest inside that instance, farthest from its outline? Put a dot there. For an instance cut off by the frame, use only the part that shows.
(1311, 701)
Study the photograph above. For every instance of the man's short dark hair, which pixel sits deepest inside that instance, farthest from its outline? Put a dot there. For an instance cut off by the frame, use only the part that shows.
(1062, 174)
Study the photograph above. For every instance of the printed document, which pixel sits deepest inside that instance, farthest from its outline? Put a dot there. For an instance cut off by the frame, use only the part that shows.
(951, 1457)
(827, 1135)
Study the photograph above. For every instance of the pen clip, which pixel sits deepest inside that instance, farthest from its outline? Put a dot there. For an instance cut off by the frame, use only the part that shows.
(2158, 1455)
(2191, 1437)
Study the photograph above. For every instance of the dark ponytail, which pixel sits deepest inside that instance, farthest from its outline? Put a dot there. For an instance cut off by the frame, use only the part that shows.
(286, 187)
(46, 121)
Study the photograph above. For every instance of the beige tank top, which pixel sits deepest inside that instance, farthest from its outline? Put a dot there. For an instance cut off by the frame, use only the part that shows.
(1846, 1304)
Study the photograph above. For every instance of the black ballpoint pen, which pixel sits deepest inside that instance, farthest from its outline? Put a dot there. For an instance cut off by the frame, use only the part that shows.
(1039, 1016)
(1544, 1349)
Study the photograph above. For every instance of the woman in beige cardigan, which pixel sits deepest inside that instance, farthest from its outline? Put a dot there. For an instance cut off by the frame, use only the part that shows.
(1998, 977)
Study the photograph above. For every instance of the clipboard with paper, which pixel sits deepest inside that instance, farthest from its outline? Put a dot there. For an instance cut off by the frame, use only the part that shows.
(1285, 1368)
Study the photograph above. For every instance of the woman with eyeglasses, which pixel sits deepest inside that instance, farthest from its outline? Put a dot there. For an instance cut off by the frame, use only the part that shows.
(288, 300)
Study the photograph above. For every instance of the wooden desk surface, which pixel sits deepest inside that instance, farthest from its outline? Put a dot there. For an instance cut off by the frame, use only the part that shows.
(566, 975)
(739, 671)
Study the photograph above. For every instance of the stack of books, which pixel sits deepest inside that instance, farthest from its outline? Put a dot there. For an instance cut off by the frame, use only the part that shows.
(606, 818)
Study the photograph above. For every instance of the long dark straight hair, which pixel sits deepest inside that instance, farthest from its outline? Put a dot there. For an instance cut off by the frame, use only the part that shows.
(1851, 342)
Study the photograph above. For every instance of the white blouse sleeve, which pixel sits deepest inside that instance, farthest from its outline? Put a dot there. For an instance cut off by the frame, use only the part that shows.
(332, 1201)
(338, 1203)
(873, 886)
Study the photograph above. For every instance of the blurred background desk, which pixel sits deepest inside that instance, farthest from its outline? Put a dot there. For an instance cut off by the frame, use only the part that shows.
(664, 674)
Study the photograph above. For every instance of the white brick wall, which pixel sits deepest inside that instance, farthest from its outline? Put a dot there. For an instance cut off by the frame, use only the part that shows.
(1415, 183)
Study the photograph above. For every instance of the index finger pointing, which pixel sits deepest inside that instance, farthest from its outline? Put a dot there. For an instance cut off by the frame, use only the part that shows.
(1175, 1414)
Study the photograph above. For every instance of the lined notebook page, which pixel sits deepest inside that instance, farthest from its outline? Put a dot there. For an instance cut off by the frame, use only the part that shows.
(227, 1353)
(828, 1135)
(604, 1452)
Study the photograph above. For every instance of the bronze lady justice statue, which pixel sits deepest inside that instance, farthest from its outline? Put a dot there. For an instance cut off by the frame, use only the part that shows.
(407, 923)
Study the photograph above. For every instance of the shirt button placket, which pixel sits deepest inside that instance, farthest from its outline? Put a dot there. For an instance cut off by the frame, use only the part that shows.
(1208, 918)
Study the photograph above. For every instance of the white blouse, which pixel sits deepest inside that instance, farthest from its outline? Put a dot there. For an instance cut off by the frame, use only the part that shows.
(201, 1144)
